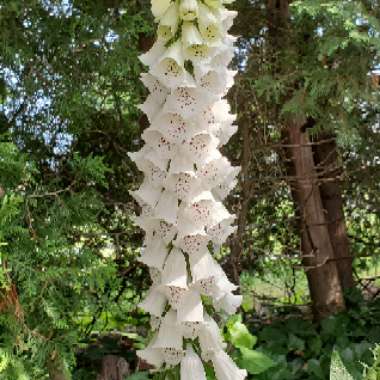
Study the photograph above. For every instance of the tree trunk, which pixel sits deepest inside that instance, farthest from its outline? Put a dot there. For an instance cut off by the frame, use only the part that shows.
(326, 158)
(113, 368)
(317, 250)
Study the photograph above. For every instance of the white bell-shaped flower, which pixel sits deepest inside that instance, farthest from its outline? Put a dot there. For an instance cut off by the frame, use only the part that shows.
(174, 277)
(209, 25)
(223, 55)
(184, 184)
(146, 159)
(215, 80)
(190, 308)
(187, 227)
(208, 276)
(153, 226)
(154, 253)
(147, 194)
(151, 106)
(174, 295)
(188, 10)
(165, 231)
(168, 25)
(174, 127)
(221, 191)
(191, 366)
(210, 338)
(170, 67)
(202, 266)
(215, 117)
(175, 271)
(155, 87)
(163, 147)
(167, 207)
(154, 173)
(151, 355)
(196, 49)
(155, 275)
(223, 132)
(193, 243)
(181, 162)
(225, 368)
(221, 231)
(159, 7)
(214, 3)
(205, 211)
(146, 211)
(155, 322)
(154, 302)
(227, 17)
(170, 339)
(223, 287)
(202, 148)
(151, 56)
(229, 303)
(188, 102)
(190, 330)
(222, 112)
(215, 172)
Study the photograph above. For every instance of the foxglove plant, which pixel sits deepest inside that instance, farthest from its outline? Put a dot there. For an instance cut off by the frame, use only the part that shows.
(186, 180)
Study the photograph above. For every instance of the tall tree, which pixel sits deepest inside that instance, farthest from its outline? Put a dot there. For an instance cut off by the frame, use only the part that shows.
(307, 81)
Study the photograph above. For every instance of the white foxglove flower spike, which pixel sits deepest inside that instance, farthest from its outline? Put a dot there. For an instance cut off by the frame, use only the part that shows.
(185, 179)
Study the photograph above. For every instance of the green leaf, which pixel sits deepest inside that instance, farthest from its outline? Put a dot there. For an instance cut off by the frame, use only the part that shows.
(296, 343)
(255, 362)
(240, 337)
(315, 344)
(210, 374)
(314, 367)
(337, 370)
(139, 376)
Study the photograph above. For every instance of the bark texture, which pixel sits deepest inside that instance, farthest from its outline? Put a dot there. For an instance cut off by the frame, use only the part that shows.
(113, 368)
(317, 250)
(327, 161)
